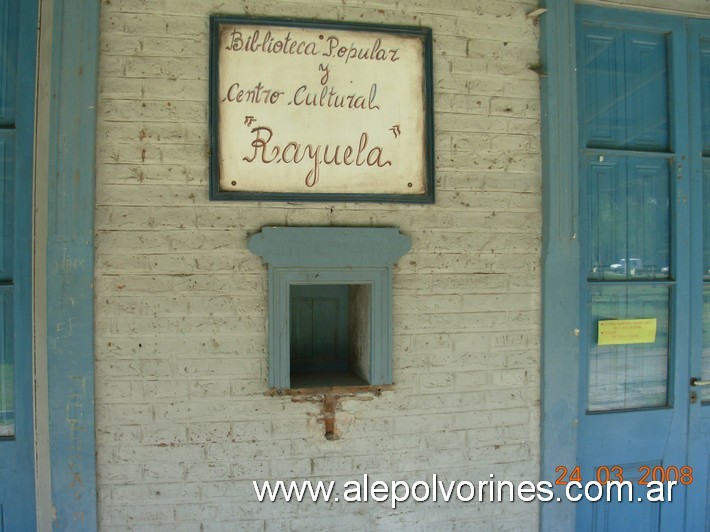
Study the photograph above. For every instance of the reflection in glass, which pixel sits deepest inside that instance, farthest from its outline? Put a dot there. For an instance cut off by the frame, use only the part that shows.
(705, 393)
(705, 114)
(629, 215)
(706, 218)
(7, 178)
(705, 94)
(7, 388)
(633, 375)
(626, 107)
(8, 62)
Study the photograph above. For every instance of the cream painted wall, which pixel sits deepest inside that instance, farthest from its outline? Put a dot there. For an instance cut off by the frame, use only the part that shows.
(183, 422)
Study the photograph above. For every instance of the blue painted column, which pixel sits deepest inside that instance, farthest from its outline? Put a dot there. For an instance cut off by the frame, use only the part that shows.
(70, 259)
(560, 254)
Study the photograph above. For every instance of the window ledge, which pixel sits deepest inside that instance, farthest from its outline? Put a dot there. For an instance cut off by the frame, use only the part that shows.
(340, 391)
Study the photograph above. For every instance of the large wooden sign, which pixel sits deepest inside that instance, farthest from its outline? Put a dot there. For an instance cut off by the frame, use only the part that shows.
(320, 111)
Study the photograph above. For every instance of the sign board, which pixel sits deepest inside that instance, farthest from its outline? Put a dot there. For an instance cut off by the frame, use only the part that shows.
(320, 111)
(621, 332)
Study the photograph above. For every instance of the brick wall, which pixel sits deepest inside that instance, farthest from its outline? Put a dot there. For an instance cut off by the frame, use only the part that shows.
(183, 423)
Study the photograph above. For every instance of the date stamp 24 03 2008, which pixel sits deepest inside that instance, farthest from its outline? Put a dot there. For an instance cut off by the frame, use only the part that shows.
(641, 475)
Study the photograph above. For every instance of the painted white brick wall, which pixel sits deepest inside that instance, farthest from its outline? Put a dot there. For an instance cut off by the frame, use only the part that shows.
(183, 423)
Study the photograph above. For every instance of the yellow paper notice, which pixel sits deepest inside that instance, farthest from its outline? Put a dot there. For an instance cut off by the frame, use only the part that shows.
(618, 332)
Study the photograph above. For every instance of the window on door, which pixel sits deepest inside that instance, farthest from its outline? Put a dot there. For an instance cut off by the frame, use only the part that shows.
(704, 90)
(626, 178)
(644, 206)
(8, 146)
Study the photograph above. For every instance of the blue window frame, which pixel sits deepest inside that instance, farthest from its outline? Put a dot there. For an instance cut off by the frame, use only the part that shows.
(321, 262)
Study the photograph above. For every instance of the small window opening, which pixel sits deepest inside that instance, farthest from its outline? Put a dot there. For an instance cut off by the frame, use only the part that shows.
(330, 335)
(330, 304)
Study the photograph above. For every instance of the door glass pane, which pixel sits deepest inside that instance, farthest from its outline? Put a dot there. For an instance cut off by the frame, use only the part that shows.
(631, 371)
(705, 118)
(7, 387)
(7, 177)
(706, 218)
(705, 93)
(629, 217)
(8, 61)
(706, 342)
(705, 392)
(625, 86)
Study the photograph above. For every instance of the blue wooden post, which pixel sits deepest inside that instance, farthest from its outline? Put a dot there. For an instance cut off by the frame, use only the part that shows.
(560, 296)
(70, 257)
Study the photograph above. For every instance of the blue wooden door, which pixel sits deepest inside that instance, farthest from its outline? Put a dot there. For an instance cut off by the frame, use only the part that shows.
(698, 511)
(17, 60)
(643, 291)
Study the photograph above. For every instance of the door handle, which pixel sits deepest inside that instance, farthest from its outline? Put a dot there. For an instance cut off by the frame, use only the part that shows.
(697, 382)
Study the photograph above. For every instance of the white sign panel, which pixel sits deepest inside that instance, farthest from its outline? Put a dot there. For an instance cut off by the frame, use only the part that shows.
(320, 111)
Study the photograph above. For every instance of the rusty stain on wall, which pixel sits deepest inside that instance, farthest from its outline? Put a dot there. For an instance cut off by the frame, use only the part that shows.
(331, 402)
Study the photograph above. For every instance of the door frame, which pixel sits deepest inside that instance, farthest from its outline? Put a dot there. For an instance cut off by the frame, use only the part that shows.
(561, 294)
